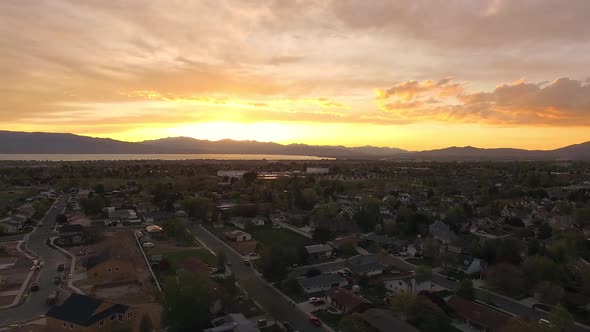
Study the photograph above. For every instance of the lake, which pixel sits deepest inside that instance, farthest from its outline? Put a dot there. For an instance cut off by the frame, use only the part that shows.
(88, 157)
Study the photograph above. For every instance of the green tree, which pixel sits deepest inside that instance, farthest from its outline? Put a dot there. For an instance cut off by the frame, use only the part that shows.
(506, 277)
(93, 205)
(249, 177)
(353, 323)
(548, 292)
(368, 214)
(291, 286)
(542, 268)
(401, 303)
(427, 316)
(561, 318)
(321, 234)
(186, 303)
(198, 207)
(466, 289)
(221, 260)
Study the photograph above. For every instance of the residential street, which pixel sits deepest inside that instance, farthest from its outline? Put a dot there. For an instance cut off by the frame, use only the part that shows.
(257, 288)
(35, 305)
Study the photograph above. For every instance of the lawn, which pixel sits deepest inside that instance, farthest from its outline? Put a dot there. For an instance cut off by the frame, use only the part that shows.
(420, 261)
(177, 256)
(328, 318)
(282, 237)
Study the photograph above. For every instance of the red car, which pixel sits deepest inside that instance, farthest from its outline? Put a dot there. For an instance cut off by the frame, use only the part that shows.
(315, 321)
(317, 302)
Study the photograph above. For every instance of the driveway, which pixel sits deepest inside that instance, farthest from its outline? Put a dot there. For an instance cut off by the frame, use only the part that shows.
(35, 305)
(257, 288)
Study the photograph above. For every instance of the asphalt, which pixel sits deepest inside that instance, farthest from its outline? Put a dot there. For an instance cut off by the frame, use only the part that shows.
(35, 305)
(283, 309)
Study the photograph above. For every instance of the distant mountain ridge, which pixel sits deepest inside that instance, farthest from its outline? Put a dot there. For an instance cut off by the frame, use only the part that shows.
(12, 142)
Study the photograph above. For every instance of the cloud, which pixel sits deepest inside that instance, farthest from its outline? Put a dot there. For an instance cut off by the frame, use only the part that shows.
(562, 102)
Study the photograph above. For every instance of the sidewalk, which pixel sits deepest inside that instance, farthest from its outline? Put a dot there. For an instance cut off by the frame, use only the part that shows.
(72, 266)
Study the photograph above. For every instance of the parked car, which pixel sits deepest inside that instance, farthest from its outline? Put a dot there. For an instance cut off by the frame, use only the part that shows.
(148, 245)
(247, 262)
(287, 326)
(34, 287)
(61, 268)
(56, 280)
(318, 302)
(315, 321)
(545, 322)
(52, 298)
(313, 299)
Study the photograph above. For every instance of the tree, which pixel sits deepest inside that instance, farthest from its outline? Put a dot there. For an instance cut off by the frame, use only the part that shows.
(368, 214)
(548, 292)
(389, 226)
(561, 318)
(353, 323)
(274, 263)
(61, 219)
(186, 303)
(545, 231)
(506, 277)
(309, 198)
(542, 268)
(427, 316)
(401, 303)
(221, 260)
(321, 234)
(455, 217)
(466, 289)
(99, 188)
(249, 177)
(94, 205)
(198, 207)
(518, 324)
(146, 325)
(291, 286)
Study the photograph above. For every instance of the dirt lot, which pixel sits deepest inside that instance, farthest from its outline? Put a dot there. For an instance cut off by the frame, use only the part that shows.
(140, 289)
(14, 267)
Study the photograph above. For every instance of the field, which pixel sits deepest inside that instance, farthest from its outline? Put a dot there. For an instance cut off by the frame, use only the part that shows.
(281, 237)
(176, 257)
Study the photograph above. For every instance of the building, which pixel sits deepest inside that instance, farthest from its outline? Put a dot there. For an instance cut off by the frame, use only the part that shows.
(442, 232)
(317, 170)
(409, 284)
(383, 321)
(367, 269)
(469, 264)
(414, 249)
(322, 283)
(477, 316)
(319, 250)
(346, 301)
(232, 323)
(238, 236)
(110, 266)
(237, 174)
(84, 194)
(84, 313)
(71, 234)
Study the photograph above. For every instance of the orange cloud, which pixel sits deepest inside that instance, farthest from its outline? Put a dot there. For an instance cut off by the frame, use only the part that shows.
(563, 102)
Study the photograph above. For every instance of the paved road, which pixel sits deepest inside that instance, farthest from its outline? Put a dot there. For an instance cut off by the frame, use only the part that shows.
(258, 289)
(36, 306)
(503, 303)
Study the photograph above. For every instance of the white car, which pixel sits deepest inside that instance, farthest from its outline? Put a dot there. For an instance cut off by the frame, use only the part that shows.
(147, 245)
(313, 299)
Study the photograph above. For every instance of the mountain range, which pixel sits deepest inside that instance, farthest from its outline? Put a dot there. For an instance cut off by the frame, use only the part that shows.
(12, 142)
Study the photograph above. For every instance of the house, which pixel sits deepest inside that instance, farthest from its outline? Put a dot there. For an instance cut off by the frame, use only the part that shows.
(232, 323)
(84, 313)
(319, 250)
(322, 283)
(84, 194)
(11, 225)
(317, 170)
(383, 320)
(71, 234)
(477, 316)
(399, 245)
(469, 264)
(238, 236)
(367, 269)
(257, 222)
(110, 265)
(346, 301)
(442, 232)
(410, 284)
(404, 198)
(414, 249)
(341, 242)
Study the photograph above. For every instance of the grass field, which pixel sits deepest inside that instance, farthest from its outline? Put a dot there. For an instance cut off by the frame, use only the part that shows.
(174, 257)
(328, 318)
(282, 237)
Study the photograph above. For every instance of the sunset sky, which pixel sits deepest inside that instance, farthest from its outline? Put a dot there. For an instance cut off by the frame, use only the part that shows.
(409, 74)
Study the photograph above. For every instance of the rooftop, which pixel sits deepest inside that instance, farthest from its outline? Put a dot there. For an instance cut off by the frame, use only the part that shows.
(477, 313)
(85, 310)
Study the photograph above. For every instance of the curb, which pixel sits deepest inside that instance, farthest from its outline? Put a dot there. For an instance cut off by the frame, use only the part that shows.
(72, 266)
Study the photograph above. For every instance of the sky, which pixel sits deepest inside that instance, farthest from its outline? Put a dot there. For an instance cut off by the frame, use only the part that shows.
(410, 74)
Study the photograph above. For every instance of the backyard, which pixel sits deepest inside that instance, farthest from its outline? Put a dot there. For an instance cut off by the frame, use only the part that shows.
(282, 237)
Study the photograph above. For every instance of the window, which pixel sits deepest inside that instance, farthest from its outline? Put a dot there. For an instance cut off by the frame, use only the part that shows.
(130, 314)
(109, 269)
(71, 326)
(65, 324)
(120, 317)
(101, 323)
(116, 268)
(113, 316)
